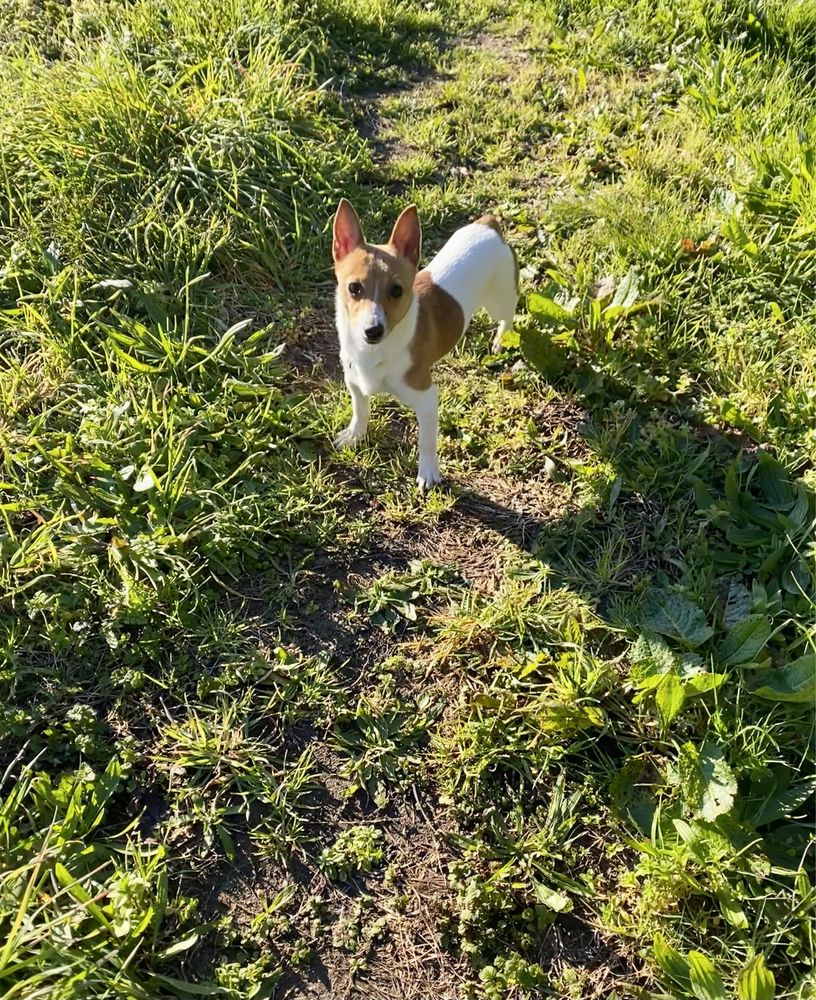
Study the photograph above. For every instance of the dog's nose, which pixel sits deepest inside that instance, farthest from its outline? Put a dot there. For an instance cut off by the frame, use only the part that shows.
(374, 333)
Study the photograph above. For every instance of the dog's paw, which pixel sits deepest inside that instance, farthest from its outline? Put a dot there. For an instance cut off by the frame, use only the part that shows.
(347, 438)
(429, 476)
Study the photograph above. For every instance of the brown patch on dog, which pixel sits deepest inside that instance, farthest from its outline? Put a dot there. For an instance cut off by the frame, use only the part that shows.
(440, 324)
(492, 222)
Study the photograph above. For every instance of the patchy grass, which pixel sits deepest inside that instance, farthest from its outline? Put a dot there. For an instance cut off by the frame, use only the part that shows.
(272, 723)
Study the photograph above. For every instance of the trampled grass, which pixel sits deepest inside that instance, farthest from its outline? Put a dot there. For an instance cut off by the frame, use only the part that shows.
(274, 725)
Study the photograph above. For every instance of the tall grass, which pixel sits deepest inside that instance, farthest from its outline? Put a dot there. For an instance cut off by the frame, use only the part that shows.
(167, 145)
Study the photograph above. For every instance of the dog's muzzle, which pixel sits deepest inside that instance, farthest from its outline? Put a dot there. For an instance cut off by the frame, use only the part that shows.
(374, 334)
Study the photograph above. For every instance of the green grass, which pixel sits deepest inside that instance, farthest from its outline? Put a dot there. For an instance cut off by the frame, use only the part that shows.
(546, 732)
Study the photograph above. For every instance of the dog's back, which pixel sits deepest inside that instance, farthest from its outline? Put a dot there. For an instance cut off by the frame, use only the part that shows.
(479, 270)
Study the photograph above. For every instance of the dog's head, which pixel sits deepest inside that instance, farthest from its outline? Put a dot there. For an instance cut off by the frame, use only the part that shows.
(375, 281)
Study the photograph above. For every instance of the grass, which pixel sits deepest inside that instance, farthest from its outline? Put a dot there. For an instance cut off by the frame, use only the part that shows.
(271, 721)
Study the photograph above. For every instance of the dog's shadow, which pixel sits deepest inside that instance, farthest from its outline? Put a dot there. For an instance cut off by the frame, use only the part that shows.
(522, 528)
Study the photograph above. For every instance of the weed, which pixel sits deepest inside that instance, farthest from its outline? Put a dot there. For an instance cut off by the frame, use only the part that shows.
(381, 739)
(357, 849)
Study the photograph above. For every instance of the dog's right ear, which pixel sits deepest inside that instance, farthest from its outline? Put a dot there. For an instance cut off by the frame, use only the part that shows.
(347, 233)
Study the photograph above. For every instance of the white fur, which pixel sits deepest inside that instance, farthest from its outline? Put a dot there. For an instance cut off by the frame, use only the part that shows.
(477, 268)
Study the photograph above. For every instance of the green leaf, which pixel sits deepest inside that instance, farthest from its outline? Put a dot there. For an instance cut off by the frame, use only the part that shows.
(756, 981)
(181, 987)
(738, 603)
(116, 283)
(669, 698)
(672, 615)
(627, 291)
(75, 888)
(706, 982)
(731, 486)
(551, 898)
(773, 480)
(702, 496)
(746, 538)
(800, 515)
(702, 683)
(760, 515)
(539, 351)
(689, 664)
(548, 311)
(139, 366)
(651, 654)
(707, 780)
(795, 683)
(744, 640)
(675, 965)
(179, 946)
(731, 909)
(780, 804)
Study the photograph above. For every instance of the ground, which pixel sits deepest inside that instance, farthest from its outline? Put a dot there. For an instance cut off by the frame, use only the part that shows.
(274, 722)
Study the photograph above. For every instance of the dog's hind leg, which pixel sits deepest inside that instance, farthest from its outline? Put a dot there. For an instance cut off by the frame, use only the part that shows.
(501, 299)
(502, 311)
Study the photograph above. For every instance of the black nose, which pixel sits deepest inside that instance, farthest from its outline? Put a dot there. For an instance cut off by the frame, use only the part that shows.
(374, 333)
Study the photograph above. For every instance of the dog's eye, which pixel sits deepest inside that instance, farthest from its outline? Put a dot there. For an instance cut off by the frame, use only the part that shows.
(355, 289)
(396, 291)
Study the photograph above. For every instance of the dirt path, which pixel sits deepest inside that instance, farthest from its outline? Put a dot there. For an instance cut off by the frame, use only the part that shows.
(381, 934)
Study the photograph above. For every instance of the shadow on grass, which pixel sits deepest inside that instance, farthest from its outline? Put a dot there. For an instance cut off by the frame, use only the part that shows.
(688, 504)
(368, 52)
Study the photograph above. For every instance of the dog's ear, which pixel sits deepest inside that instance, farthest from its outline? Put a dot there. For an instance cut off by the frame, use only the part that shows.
(406, 235)
(347, 232)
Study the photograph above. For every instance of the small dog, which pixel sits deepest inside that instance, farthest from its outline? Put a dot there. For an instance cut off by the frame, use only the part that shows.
(394, 323)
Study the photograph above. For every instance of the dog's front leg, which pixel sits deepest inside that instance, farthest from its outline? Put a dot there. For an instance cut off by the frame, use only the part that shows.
(425, 403)
(358, 427)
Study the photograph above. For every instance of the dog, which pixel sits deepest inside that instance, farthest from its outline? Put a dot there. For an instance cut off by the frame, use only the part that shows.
(394, 322)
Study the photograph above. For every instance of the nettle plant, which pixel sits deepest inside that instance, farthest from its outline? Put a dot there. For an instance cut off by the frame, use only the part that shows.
(393, 599)
(566, 323)
(766, 526)
(759, 534)
(357, 849)
(680, 657)
(695, 975)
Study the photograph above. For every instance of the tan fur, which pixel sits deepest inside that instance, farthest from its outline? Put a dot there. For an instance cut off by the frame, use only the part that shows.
(378, 268)
(440, 323)
(492, 222)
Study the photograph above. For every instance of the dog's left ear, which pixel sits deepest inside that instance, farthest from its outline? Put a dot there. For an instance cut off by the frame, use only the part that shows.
(406, 235)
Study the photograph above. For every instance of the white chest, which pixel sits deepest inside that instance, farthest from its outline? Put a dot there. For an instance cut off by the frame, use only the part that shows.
(374, 375)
